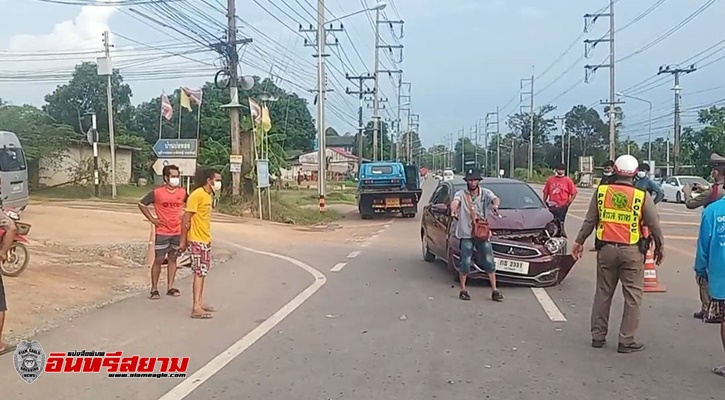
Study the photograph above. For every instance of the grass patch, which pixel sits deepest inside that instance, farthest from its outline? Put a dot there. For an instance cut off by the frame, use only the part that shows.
(284, 209)
(125, 193)
(305, 197)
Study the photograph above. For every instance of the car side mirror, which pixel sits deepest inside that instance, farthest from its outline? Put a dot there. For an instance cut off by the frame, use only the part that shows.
(439, 208)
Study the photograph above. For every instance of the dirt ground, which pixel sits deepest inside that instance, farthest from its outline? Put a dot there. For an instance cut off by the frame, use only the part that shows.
(87, 254)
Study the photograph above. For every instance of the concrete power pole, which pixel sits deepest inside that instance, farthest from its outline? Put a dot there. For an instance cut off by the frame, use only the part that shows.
(589, 44)
(320, 42)
(376, 94)
(109, 94)
(562, 120)
(360, 92)
(495, 122)
(401, 96)
(676, 72)
(530, 93)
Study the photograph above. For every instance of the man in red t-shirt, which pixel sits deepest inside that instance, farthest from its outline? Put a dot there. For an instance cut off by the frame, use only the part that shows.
(561, 192)
(168, 202)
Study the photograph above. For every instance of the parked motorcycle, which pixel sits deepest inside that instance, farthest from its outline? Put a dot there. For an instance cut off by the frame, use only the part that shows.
(18, 255)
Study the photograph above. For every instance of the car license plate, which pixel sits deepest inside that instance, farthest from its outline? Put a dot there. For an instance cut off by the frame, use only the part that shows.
(392, 202)
(17, 188)
(517, 267)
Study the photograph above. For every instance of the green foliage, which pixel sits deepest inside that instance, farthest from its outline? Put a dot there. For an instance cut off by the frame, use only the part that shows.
(384, 149)
(698, 145)
(40, 135)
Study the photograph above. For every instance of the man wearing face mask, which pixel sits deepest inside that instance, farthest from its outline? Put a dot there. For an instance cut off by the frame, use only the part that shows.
(196, 235)
(561, 191)
(168, 203)
(714, 193)
(642, 181)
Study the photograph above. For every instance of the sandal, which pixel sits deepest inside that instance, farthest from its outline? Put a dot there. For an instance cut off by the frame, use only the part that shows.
(205, 315)
(155, 295)
(720, 371)
(209, 308)
(173, 292)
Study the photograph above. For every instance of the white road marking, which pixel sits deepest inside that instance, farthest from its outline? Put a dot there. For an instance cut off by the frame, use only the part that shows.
(353, 254)
(548, 305)
(338, 267)
(188, 385)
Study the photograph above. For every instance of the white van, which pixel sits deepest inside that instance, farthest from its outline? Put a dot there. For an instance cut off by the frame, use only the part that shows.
(13, 172)
(447, 175)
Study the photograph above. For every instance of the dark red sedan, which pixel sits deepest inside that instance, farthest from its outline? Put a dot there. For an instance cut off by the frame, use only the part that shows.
(526, 238)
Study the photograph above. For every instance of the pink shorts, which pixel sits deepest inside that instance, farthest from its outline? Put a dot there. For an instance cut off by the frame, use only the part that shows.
(200, 258)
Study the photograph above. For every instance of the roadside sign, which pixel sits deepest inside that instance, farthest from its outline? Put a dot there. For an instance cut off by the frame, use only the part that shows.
(176, 148)
(236, 159)
(187, 166)
(314, 144)
(262, 173)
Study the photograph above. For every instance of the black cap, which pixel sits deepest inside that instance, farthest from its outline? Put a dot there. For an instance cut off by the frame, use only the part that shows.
(472, 174)
(717, 160)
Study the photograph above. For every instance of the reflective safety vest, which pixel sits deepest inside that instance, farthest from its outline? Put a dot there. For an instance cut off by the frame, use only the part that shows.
(620, 213)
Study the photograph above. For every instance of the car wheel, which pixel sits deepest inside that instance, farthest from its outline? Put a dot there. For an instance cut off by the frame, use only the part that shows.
(427, 255)
(679, 197)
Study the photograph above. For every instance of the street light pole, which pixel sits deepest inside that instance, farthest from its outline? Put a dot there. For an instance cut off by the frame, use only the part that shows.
(649, 124)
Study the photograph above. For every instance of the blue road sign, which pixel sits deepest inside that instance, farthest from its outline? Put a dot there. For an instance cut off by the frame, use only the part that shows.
(314, 144)
(176, 148)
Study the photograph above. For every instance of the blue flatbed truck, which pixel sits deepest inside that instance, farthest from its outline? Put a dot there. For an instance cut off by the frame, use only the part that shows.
(388, 188)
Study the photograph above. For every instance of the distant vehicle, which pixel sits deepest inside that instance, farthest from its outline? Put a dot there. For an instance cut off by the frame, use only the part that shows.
(527, 240)
(448, 175)
(673, 187)
(388, 188)
(13, 172)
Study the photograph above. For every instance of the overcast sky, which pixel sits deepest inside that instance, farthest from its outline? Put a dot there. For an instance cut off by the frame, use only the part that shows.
(463, 57)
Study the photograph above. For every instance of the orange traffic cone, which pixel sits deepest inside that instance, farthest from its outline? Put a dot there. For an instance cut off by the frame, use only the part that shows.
(651, 284)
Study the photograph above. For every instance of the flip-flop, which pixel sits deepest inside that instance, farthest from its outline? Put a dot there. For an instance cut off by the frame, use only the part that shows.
(209, 309)
(205, 315)
(155, 295)
(7, 349)
(173, 292)
(720, 371)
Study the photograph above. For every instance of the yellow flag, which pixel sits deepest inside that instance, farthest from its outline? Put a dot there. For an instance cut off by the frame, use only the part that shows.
(266, 124)
(184, 99)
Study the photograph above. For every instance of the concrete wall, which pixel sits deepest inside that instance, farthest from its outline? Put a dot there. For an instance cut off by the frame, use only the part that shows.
(60, 169)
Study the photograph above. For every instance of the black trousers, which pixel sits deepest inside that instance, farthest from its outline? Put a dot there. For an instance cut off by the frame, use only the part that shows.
(560, 215)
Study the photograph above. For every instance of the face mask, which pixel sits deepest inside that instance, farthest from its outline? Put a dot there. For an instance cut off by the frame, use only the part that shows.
(608, 174)
(174, 181)
(559, 173)
(641, 174)
(217, 186)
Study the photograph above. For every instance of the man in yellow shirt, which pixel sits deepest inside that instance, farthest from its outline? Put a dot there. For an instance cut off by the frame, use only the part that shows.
(196, 235)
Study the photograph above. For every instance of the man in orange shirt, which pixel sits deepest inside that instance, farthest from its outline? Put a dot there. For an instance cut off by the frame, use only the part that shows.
(196, 235)
(560, 191)
(168, 202)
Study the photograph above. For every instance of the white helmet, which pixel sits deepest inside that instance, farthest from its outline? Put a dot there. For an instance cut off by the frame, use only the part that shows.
(626, 165)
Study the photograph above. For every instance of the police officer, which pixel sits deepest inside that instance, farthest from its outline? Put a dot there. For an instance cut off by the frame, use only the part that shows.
(707, 196)
(619, 212)
(607, 178)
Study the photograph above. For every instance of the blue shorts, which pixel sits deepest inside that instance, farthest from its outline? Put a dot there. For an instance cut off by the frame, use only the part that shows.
(484, 256)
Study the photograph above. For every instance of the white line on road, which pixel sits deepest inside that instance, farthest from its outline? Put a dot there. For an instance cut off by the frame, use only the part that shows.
(189, 384)
(338, 267)
(353, 254)
(548, 305)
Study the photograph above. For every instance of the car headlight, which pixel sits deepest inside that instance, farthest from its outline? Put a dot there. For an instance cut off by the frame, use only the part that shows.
(552, 228)
(554, 245)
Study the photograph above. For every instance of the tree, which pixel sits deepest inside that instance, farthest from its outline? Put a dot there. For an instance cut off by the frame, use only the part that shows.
(330, 131)
(383, 141)
(40, 135)
(698, 145)
(520, 123)
(416, 147)
(86, 92)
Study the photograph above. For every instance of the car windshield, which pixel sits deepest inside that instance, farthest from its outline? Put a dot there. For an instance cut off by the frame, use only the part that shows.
(691, 180)
(513, 196)
(448, 173)
(12, 159)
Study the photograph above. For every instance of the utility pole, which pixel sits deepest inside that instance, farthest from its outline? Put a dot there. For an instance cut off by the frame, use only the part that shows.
(668, 154)
(589, 45)
(94, 141)
(523, 94)
(319, 44)
(376, 94)
(109, 94)
(360, 92)
(413, 126)
(677, 71)
(498, 143)
(511, 159)
(562, 120)
(401, 96)
(488, 123)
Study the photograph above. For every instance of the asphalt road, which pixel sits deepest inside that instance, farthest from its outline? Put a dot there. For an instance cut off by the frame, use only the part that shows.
(370, 319)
